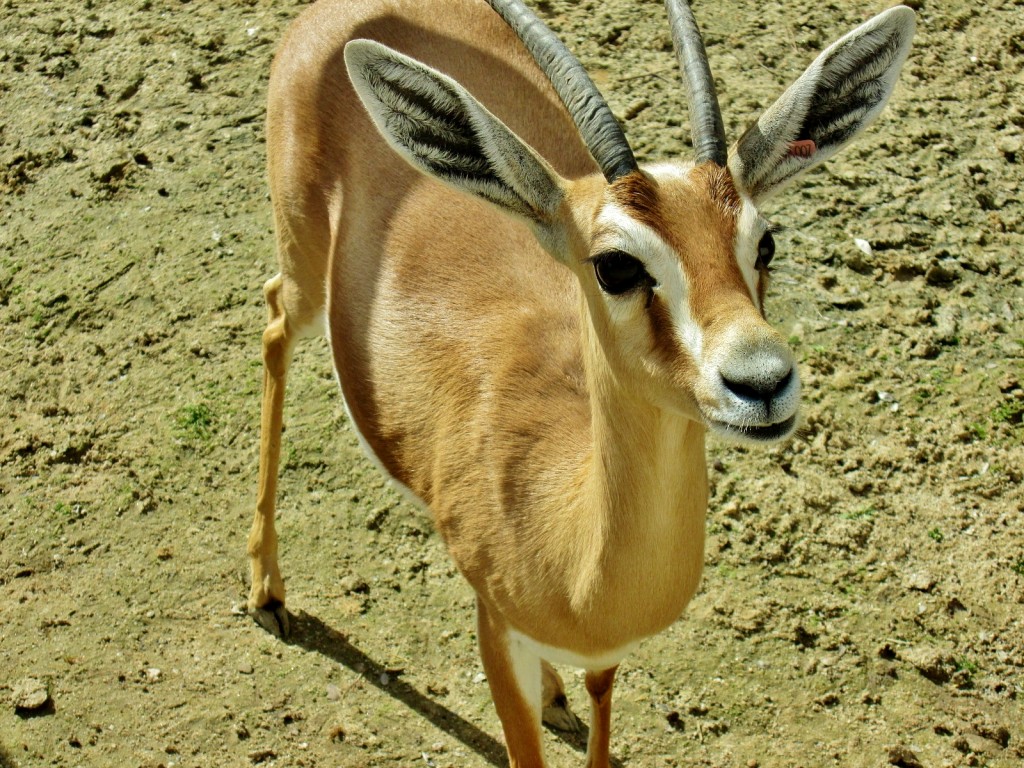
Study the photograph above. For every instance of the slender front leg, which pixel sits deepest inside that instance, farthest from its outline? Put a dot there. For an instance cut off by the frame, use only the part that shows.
(514, 675)
(599, 686)
(266, 596)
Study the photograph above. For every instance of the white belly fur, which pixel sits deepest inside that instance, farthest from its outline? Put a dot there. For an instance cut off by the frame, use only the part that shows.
(604, 661)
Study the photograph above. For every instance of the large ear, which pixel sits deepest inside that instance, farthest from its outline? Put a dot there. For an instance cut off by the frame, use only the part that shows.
(839, 95)
(436, 125)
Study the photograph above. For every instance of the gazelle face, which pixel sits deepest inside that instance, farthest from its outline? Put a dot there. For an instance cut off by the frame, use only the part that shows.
(675, 279)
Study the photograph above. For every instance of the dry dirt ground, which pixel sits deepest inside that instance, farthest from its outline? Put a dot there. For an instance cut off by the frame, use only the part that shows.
(863, 603)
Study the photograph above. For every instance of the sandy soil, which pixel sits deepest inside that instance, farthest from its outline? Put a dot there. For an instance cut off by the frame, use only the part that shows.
(864, 595)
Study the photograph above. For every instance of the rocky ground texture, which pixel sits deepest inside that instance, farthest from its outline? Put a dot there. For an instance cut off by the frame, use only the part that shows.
(863, 603)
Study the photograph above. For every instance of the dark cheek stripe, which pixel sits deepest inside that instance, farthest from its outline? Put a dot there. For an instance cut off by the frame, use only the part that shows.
(665, 341)
(667, 344)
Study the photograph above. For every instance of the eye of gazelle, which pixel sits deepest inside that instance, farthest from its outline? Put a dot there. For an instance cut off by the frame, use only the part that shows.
(617, 272)
(765, 249)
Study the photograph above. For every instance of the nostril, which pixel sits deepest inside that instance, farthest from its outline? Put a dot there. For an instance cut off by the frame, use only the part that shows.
(758, 388)
(783, 383)
(743, 390)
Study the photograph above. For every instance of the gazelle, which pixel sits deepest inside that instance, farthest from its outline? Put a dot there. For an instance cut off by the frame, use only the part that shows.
(532, 333)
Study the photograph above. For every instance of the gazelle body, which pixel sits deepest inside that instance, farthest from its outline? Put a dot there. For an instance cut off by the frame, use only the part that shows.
(532, 335)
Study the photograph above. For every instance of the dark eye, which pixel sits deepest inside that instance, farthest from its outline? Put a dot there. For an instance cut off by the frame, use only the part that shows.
(618, 272)
(765, 249)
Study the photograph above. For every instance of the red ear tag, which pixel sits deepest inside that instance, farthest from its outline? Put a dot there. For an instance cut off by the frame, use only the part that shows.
(804, 148)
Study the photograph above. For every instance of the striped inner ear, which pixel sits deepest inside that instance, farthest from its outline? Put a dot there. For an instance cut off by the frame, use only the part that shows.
(838, 96)
(857, 78)
(427, 117)
(437, 125)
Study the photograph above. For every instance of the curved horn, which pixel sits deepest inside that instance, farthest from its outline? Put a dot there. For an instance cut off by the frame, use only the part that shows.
(587, 107)
(705, 115)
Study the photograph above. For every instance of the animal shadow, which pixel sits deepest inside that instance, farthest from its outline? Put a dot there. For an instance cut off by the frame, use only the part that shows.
(312, 634)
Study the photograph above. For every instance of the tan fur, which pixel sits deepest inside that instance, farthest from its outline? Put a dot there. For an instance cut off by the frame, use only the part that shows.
(479, 373)
(599, 686)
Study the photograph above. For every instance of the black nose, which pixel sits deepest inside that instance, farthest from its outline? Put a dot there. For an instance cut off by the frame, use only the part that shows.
(759, 388)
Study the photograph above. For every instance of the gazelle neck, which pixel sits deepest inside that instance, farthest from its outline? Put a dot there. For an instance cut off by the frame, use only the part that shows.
(643, 454)
(647, 487)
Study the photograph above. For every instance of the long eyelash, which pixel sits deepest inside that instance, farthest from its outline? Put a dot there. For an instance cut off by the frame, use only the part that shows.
(776, 228)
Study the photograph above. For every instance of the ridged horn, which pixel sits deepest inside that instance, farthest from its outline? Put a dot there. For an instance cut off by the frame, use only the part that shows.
(589, 111)
(705, 115)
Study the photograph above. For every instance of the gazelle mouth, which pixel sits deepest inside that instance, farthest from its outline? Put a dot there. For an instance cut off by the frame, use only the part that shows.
(760, 434)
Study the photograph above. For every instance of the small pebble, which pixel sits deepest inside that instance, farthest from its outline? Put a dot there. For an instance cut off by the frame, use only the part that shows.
(919, 582)
(1010, 146)
(29, 695)
(903, 757)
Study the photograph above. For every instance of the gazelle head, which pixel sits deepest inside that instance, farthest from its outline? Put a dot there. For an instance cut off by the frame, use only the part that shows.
(672, 258)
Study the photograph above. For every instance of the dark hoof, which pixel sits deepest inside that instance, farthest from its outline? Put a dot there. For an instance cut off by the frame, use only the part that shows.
(557, 715)
(274, 618)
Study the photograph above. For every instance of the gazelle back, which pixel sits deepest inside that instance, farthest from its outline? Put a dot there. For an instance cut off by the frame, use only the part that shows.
(532, 332)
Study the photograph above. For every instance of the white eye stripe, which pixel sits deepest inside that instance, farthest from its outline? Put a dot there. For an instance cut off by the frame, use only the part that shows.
(750, 228)
(617, 230)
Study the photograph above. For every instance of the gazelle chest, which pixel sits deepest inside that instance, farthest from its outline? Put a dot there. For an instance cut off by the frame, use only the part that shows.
(647, 582)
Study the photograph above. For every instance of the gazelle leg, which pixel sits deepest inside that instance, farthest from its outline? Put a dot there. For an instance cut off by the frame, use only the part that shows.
(555, 709)
(514, 675)
(266, 596)
(599, 686)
